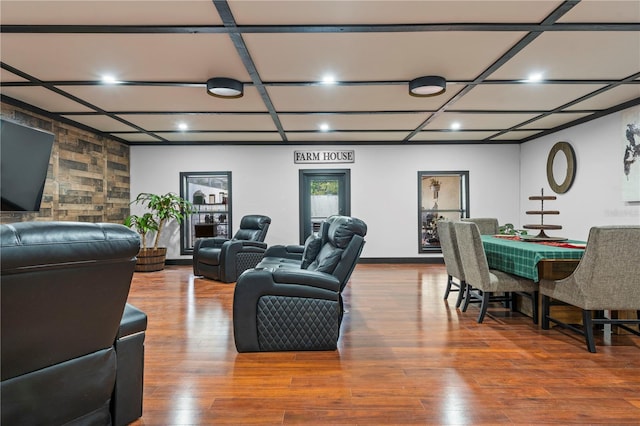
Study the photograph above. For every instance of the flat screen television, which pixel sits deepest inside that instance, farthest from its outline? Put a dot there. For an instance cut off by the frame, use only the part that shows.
(24, 160)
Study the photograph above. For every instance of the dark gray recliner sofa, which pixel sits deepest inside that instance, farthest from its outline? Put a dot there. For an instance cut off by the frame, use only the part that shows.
(224, 259)
(292, 299)
(72, 349)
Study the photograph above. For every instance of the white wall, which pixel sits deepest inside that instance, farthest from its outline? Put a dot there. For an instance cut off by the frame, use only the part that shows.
(384, 185)
(595, 197)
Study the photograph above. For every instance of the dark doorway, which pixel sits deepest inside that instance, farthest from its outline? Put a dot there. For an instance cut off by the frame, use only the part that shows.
(322, 193)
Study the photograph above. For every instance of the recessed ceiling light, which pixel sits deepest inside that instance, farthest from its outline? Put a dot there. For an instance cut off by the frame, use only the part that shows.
(324, 127)
(455, 125)
(109, 79)
(328, 79)
(183, 126)
(535, 77)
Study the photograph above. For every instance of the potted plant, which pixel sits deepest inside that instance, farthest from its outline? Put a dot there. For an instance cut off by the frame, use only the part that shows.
(162, 208)
(509, 229)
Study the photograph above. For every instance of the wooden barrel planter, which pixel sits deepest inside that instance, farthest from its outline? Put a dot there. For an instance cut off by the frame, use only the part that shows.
(151, 260)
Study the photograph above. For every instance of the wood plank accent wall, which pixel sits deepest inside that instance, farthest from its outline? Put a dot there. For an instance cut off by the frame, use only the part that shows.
(88, 176)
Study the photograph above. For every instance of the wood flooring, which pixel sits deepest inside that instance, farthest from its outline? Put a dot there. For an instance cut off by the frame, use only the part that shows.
(405, 357)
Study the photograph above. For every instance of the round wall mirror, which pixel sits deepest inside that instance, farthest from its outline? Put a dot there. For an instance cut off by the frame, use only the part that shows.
(561, 167)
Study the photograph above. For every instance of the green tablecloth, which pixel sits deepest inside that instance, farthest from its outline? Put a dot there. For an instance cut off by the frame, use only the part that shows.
(521, 258)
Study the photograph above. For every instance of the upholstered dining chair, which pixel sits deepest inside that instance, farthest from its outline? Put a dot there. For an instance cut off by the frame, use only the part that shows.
(223, 259)
(486, 225)
(607, 278)
(451, 255)
(484, 281)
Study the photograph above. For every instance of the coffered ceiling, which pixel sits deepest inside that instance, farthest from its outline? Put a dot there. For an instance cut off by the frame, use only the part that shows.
(161, 53)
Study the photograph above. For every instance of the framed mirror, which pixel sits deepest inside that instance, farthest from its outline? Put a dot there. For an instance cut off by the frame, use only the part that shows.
(561, 167)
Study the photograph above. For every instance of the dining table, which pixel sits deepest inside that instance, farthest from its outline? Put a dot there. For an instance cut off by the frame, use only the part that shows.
(518, 256)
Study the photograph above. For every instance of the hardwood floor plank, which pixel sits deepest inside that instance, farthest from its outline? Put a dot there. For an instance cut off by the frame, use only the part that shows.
(405, 357)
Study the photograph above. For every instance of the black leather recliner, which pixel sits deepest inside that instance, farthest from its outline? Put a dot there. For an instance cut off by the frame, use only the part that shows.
(223, 259)
(294, 302)
(72, 349)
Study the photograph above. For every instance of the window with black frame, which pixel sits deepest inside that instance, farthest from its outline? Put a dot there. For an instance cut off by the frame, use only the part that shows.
(442, 195)
(210, 193)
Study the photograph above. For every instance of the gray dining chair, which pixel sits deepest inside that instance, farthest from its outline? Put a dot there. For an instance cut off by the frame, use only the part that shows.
(607, 278)
(486, 225)
(482, 282)
(451, 255)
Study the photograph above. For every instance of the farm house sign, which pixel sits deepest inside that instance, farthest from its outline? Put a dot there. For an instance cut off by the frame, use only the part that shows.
(316, 157)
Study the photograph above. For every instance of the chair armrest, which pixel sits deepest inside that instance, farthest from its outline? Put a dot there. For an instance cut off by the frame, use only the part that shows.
(229, 254)
(215, 242)
(285, 252)
(254, 284)
(247, 244)
(133, 321)
(306, 277)
(126, 401)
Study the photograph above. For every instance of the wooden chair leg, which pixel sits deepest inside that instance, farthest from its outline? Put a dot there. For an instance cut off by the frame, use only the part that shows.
(463, 289)
(545, 312)
(485, 304)
(448, 290)
(588, 330)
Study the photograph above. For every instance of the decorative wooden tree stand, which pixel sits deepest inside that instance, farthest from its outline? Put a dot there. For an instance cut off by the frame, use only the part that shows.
(542, 212)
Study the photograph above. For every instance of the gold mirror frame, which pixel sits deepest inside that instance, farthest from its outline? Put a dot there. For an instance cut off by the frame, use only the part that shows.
(567, 150)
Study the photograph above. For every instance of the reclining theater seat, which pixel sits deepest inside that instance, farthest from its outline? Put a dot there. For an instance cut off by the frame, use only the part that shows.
(295, 304)
(71, 347)
(223, 259)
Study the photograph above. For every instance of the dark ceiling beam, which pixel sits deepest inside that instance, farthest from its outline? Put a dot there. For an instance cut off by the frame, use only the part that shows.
(295, 29)
(515, 49)
(229, 22)
(570, 104)
(303, 83)
(582, 120)
(75, 99)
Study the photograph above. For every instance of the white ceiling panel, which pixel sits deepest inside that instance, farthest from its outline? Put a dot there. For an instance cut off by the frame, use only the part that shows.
(358, 12)
(553, 120)
(200, 122)
(477, 120)
(102, 122)
(129, 57)
(163, 52)
(9, 76)
(515, 135)
(594, 11)
(615, 96)
(376, 56)
(109, 12)
(353, 98)
(523, 97)
(220, 137)
(451, 136)
(44, 99)
(345, 136)
(173, 99)
(577, 55)
(292, 122)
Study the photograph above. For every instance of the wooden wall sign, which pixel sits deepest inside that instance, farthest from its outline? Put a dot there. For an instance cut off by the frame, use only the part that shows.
(323, 157)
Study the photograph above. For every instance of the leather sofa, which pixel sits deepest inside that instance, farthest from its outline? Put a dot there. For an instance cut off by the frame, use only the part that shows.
(224, 259)
(72, 349)
(292, 299)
